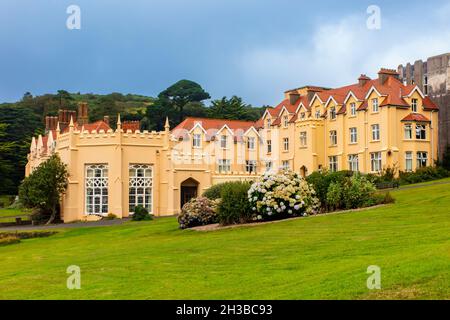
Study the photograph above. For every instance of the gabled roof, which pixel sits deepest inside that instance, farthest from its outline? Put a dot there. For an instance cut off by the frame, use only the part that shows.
(95, 126)
(417, 117)
(428, 104)
(211, 125)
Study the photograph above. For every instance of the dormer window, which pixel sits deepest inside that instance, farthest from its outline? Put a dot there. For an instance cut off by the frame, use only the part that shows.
(333, 113)
(414, 105)
(196, 140)
(353, 109)
(251, 143)
(302, 115)
(223, 141)
(375, 105)
(285, 121)
(317, 114)
(269, 123)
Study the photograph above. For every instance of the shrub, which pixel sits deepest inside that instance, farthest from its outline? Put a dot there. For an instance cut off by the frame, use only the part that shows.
(321, 182)
(350, 193)
(198, 212)
(110, 216)
(213, 192)
(280, 195)
(234, 206)
(423, 174)
(334, 196)
(141, 214)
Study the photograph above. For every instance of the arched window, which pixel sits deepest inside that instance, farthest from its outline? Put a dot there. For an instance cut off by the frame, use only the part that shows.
(141, 186)
(96, 184)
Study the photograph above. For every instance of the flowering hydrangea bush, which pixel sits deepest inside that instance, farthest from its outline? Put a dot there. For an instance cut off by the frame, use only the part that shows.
(282, 194)
(198, 212)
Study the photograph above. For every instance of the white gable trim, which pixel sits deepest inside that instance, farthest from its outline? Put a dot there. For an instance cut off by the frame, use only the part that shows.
(370, 92)
(329, 100)
(416, 88)
(314, 98)
(197, 125)
(300, 106)
(225, 127)
(252, 128)
(350, 94)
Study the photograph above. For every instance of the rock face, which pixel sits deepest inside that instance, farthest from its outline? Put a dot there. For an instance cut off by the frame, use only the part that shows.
(433, 78)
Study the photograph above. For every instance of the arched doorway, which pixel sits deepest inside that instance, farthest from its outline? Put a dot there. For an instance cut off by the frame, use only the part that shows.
(303, 171)
(189, 190)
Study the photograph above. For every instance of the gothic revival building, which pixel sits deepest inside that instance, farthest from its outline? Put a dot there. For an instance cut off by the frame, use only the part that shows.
(366, 126)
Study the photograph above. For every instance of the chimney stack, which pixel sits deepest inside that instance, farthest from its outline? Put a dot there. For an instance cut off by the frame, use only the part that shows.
(106, 120)
(82, 113)
(363, 79)
(384, 74)
(293, 97)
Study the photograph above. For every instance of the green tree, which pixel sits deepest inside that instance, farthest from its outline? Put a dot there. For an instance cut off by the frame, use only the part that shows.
(63, 96)
(44, 187)
(181, 93)
(233, 108)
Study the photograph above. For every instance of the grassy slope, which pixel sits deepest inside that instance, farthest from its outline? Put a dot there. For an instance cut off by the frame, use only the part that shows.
(317, 257)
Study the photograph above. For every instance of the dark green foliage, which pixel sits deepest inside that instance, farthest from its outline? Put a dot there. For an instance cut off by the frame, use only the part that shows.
(141, 214)
(214, 192)
(423, 174)
(181, 93)
(322, 180)
(43, 189)
(7, 238)
(234, 206)
(233, 108)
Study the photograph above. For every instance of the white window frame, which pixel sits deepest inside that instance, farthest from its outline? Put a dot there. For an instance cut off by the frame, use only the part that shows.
(408, 131)
(303, 139)
(251, 143)
(421, 129)
(414, 105)
(353, 162)
(422, 159)
(224, 165)
(250, 166)
(302, 116)
(197, 140)
(375, 132)
(140, 186)
(96, 188)
(375, 161)
(269, 165)
(333, 163)
(333, 137)
(318, 114)
(353, 109)
(333, 113)
(285, 121)
(408, 161)
(353, 135)
(285, 144)
(375, 106)
(269, 146)
(224, 141)
(285, 165)
(269, 123)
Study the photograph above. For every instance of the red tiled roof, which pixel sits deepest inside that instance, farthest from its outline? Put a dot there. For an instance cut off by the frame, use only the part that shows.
(95, 126)
(416, 117)
(211, 125)
(342, 110)
(428, 104)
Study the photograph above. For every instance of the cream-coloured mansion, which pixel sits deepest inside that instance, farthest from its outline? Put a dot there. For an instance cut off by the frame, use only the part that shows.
(365, 127)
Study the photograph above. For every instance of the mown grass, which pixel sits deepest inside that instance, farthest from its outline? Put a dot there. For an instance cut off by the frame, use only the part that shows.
(322, 257)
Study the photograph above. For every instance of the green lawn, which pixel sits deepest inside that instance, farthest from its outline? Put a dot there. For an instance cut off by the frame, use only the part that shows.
(323, 257)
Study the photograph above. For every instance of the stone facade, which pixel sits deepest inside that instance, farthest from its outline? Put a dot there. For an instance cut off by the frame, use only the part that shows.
(433, 78)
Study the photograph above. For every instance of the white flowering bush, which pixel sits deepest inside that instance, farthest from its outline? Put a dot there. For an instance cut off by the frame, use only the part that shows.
(282, 194)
